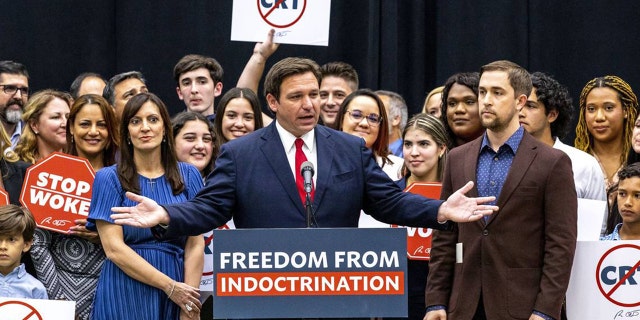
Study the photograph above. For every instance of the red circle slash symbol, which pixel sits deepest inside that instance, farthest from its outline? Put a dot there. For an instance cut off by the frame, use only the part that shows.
(288, 13)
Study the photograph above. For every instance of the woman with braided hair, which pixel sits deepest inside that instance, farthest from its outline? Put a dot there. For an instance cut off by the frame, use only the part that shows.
(608, 109)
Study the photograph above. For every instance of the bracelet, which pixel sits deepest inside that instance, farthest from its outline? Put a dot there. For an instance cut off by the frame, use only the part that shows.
(172, 288)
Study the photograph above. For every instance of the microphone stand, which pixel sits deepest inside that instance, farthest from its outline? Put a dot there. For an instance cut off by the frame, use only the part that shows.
(309, 209)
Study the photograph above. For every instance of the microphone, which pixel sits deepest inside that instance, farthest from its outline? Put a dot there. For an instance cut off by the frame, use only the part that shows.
(307, 171)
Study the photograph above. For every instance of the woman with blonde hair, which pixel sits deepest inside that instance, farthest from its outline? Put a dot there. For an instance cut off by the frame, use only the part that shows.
(433, 102)
(608, 109)
(45, 116)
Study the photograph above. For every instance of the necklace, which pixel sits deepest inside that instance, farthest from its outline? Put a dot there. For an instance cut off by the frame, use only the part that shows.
(608, 178)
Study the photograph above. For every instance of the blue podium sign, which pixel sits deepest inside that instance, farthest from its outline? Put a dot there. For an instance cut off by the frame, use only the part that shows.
(310, 273)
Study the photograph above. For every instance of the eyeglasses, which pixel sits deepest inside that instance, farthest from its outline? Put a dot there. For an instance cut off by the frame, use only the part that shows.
(11, 89)
(373, 119)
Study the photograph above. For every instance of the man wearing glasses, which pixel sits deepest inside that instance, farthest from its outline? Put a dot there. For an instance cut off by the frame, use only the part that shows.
(14, 92)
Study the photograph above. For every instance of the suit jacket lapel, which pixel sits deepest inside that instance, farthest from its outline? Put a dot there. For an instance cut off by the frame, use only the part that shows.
(471, 165)
(525, 155)
(324, 145)
(276, 156)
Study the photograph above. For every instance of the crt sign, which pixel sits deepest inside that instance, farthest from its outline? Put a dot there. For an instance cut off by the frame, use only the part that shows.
(57, 190)
(605, 281)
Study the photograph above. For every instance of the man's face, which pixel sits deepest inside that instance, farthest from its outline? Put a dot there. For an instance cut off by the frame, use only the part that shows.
(533, 118)
(198, 91)
(124, 91)
(498, 103)
(333, 90)
(12, 105)
(298, 108)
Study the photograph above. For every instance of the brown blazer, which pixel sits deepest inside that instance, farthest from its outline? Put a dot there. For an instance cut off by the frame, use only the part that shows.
(520, 259)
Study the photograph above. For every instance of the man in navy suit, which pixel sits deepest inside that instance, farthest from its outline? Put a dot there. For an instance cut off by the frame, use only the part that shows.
(254, 177)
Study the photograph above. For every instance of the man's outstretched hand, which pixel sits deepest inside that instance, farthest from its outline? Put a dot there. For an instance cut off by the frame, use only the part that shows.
(460, 208)
(146, 214)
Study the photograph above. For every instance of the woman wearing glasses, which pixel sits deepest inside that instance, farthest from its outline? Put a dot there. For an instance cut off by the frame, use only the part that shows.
(362, 114)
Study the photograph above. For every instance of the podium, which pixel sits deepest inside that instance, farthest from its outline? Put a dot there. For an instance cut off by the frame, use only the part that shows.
(310, 273)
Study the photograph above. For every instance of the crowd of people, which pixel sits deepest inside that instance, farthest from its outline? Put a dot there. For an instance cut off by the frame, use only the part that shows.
(505, 227)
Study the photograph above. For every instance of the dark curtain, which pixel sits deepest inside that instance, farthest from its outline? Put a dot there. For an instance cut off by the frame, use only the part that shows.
(404, 46)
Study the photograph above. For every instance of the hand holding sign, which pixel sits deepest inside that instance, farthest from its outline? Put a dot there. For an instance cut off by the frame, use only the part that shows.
(146, 214)
(57, 190)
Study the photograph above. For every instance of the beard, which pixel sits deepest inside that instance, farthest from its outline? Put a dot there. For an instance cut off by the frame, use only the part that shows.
(10, 115)
(13, 116)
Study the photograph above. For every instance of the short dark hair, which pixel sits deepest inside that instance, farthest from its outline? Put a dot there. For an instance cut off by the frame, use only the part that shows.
(12, 67)
(192, 62)
(77, 82)
(109, 92)
(15, 219)
(519, 77)
(285, 68)
(554, 96)
(341, 70)
(630, 171)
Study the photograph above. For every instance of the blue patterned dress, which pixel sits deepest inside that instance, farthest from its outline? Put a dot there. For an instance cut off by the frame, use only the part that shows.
(119, 296)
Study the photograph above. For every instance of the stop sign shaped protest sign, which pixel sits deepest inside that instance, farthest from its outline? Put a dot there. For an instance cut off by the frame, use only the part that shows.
(419, 239)
(4, 197)
(57, 190)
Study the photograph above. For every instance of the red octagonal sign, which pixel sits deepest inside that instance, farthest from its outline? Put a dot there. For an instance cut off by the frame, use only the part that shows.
(57, 190)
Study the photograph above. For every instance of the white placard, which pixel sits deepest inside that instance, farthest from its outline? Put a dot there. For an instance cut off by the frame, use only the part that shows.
(590, 217)
(34, 309)
(605, 281)
(295, 21)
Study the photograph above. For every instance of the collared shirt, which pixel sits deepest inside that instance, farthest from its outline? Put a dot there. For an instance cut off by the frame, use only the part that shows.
(615, 235)
(396, 148)
(15, 137)
(19, 284)
(586, 173)
(493, 167)
(309, 149)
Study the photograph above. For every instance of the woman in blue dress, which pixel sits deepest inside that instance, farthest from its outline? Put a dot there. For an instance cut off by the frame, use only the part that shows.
(144, 278)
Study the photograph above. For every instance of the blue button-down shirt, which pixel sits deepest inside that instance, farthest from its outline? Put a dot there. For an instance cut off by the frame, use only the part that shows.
(493, 166)
(19, 284)
(615, 235)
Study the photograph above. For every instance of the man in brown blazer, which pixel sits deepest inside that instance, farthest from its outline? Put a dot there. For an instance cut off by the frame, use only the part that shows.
(515, 264)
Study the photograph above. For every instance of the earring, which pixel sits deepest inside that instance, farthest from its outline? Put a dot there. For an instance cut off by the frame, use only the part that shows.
(164, 139)
(128, 141)
(37, 133)
(72, 139)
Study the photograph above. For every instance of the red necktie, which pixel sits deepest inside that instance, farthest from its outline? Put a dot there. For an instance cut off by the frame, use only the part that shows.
(300, 159)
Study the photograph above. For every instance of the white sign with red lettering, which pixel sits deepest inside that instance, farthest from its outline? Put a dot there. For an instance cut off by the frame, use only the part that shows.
(57, 190)
(605, 281)
(35, 309)
(295, 21)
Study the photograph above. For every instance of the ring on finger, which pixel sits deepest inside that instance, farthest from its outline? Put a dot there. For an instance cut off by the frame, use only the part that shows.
(188, 306)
